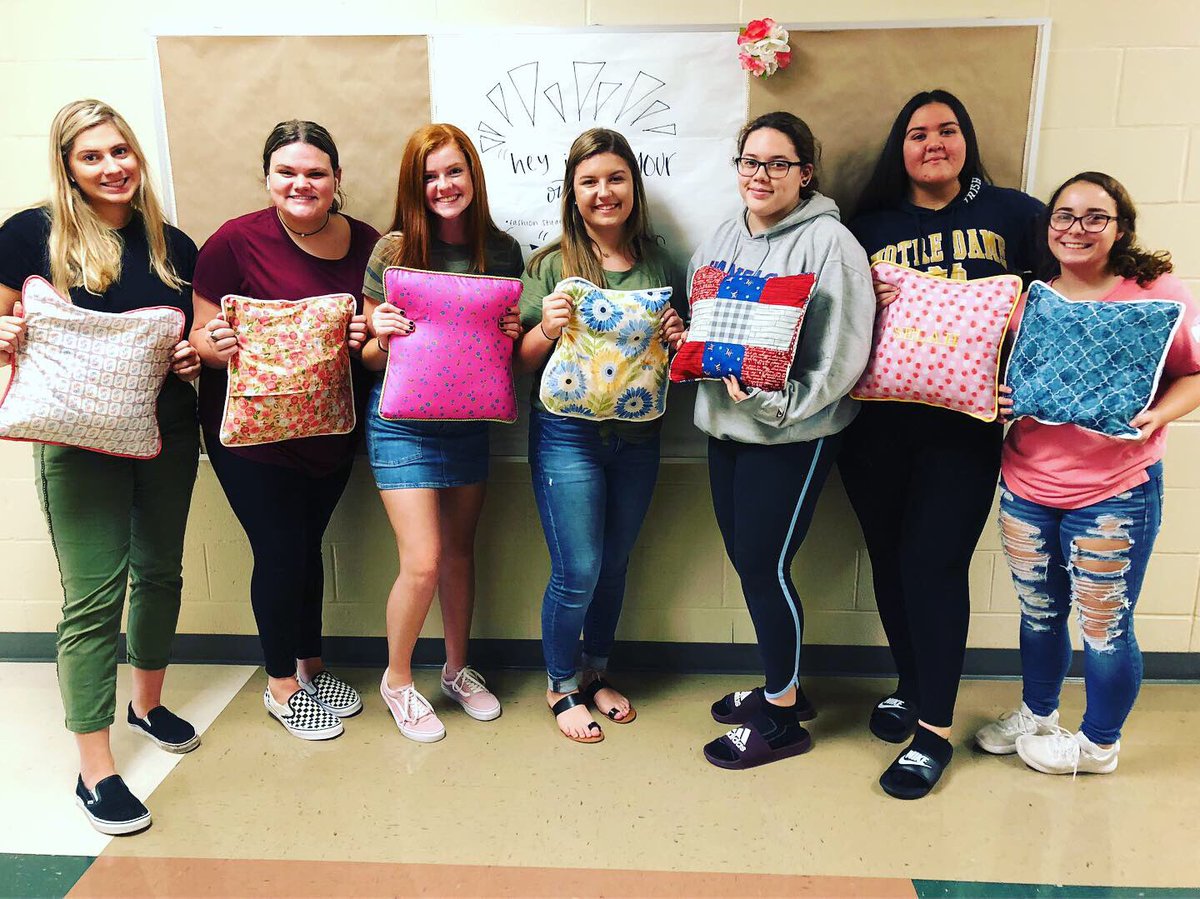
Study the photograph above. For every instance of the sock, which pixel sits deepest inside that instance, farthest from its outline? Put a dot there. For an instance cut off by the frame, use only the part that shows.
(778, 724)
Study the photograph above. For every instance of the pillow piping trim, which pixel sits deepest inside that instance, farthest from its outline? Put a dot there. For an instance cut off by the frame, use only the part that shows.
(1162, 361)
(1001, 362)
(666, 385)
(157, 426)
(229, 381)
(387, 365)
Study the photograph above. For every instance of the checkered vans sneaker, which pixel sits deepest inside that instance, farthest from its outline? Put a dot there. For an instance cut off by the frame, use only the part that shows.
(469, 690)
(333, 694)
(302, 717)
(412, 712)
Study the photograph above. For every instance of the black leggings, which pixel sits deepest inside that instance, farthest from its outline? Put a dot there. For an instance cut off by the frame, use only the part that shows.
(284, 513)
(764, 498)
(921, 481)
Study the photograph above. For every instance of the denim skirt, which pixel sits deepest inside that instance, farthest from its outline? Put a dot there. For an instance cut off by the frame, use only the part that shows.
(409, 454)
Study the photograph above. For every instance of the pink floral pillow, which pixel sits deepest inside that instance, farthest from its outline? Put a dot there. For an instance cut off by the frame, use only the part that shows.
(291, 374)
(939, 343)
(457, 364)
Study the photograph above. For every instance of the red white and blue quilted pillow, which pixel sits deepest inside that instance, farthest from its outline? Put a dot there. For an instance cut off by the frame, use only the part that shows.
(744, 326)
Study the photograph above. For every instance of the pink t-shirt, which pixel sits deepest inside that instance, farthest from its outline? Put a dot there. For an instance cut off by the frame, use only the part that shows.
(1069, 467)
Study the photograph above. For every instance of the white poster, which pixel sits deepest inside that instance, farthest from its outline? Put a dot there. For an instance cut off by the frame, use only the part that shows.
(679, 99)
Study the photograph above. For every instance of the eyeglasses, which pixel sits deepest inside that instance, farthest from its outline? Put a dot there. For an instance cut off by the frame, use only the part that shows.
(776, 168)
(1093, 222)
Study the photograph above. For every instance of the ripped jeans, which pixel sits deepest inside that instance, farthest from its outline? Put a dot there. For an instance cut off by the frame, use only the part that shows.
(1093, 559)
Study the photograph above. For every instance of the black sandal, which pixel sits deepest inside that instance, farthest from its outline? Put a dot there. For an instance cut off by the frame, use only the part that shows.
(595, 687)
(742, 706)
(893, 719)
(569, 702)
(912, 775)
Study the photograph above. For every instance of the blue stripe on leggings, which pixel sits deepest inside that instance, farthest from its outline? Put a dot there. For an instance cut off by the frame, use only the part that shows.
(779, 570)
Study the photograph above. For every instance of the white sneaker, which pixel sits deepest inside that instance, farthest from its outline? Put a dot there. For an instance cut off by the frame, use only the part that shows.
(1000, 737)
(412, 712)
(302, 716)
(1063, 752)
(332, 694)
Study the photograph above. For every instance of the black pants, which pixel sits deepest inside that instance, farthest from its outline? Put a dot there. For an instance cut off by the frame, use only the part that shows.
(921, 481)
(284, 513)
(764, 498)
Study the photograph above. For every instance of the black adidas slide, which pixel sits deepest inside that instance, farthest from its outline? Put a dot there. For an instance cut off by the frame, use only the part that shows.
(744, 747)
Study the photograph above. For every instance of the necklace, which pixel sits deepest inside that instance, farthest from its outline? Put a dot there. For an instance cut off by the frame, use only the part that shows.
(279, 215)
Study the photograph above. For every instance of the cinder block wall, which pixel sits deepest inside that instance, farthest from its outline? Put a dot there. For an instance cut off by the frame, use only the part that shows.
(1119, 97)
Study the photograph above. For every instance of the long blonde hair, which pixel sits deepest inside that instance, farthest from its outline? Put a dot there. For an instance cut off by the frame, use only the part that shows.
(412, 228)
(579, 255)
(84, 251)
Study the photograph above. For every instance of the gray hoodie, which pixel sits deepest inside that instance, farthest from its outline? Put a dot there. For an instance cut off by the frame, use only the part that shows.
(835, 339)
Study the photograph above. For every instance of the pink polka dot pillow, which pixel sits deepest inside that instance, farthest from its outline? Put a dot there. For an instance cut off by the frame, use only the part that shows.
(939, 343)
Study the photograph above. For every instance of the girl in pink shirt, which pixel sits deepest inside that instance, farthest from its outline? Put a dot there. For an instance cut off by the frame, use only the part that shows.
(1079, 511)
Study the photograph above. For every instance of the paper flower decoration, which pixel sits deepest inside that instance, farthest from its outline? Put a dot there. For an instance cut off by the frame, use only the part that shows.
(763, 47)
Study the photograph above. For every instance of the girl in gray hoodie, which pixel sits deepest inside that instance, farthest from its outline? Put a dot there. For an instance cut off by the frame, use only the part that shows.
(770, 451)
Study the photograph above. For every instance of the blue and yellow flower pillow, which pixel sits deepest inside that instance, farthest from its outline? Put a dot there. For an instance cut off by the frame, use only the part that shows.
(611, 360)
(1095, 364)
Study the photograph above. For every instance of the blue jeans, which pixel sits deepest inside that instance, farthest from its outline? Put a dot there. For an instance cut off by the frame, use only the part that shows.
(1094, 559)
(592, 494)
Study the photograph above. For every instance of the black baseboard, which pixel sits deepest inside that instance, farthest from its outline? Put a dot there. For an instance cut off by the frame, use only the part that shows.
(690, 658)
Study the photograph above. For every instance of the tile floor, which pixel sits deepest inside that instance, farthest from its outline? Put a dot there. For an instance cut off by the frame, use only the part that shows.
(509, 808)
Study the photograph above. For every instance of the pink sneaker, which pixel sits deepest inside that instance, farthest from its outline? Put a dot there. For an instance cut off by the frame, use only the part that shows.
(470, 691)
(413, 713)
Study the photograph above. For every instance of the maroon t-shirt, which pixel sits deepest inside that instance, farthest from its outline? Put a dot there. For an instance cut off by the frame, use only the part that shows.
(252, 256)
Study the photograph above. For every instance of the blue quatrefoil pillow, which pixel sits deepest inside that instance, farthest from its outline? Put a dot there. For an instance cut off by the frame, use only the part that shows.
(1095, 364)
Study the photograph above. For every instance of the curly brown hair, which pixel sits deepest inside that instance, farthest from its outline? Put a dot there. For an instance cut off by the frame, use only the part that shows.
(1126, 258)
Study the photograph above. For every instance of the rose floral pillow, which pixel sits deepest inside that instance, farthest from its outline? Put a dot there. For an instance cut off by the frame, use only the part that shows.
(1095, 364)
(89, 379)
(611, 361)
(744, 326)
(457, 364)
(938, 343)
(290, 377)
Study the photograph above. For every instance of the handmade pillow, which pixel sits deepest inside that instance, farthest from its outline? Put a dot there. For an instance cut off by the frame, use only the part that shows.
(744, 326)
(290, 377)
(89, 379)
(611, 361)
(457, 364)
(1095, 364)
(938, 343)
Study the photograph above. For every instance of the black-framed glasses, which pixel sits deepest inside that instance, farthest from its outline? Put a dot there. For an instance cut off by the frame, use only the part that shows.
(1092, 222)
(776, 168)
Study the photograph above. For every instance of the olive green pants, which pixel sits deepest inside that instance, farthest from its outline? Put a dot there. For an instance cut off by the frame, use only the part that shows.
(118, 524)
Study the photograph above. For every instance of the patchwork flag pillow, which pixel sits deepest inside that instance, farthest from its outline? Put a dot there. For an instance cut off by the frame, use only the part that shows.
(1095, 364)
(744, 326)
(89, 379)
(938, 343)
(290, 377)
(457, 364)
(611, 360)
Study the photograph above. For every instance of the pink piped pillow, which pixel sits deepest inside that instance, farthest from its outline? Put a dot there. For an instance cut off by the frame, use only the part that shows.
(457, 364)
(939, 343)
(89, 379)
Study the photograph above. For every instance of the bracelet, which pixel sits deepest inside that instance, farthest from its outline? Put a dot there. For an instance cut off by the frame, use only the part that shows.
(544, 334)
(380, 343)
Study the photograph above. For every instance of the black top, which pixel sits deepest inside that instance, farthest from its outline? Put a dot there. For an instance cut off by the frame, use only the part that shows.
(984, 231)
(25, 251)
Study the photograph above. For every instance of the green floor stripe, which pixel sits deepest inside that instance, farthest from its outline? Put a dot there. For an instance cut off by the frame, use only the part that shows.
(964, 889)
(40, 876)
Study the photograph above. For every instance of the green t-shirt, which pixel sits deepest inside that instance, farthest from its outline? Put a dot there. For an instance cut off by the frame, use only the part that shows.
(502, 255)
(656, 269)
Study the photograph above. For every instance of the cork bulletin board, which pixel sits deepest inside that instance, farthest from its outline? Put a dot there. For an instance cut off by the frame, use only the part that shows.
(222, 94)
